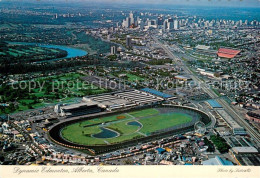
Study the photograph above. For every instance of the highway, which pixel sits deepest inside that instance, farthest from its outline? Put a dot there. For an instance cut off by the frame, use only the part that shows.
(240, 119)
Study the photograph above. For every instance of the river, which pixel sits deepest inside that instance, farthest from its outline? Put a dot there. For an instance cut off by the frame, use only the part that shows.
(72, 52)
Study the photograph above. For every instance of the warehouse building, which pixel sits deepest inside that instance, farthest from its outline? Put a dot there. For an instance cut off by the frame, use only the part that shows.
(228, 53)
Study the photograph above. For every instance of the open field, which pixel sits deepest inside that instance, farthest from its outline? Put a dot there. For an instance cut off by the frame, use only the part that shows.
(133, 78)
(115, 129)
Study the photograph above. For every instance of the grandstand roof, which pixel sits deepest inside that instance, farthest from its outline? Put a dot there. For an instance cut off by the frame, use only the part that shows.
(214, 104)
(155, 92)
(77, 105)
(228, 53)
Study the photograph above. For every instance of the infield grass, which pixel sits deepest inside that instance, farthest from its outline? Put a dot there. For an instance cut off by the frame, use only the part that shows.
(151, 120)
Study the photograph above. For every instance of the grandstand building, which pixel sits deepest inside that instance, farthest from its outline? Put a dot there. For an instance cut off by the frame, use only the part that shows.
(113, 101)
(79, 109)
(124, 99)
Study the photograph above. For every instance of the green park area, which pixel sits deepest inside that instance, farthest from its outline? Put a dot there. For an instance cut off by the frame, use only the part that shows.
(129, 77)
(45, 91)
(133, 78)
(28, 53)
(220, 143)
(124, 127)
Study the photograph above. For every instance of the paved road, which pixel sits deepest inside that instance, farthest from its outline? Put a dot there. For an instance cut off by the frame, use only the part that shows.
(241, 120)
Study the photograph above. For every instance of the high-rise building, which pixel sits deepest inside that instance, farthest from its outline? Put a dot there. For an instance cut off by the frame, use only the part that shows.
(126, 22)
(170, 20)
(151, 23)
(141, 25)
(159, 21)
(131, 17)
(165, 25)
(128, 41)
(170, 25)
(176, 25)
(113, 50)
(137, 21)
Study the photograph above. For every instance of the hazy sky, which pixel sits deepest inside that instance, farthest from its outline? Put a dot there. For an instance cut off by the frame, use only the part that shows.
(241, 3)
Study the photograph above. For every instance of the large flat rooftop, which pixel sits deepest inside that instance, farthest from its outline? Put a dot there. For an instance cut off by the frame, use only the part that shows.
(122, 99)
(214, 104)
(156, 92)
(228, 53)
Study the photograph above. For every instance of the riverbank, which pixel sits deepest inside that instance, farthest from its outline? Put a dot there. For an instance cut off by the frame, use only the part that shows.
(71, 52)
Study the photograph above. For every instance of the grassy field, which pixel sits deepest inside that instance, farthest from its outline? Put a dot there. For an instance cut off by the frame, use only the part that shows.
(163, 121)
(144, 113)
(150, 120)
(133, 78)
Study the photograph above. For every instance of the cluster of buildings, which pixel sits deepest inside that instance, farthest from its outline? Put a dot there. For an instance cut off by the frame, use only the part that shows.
(235, 127)
(168, 23)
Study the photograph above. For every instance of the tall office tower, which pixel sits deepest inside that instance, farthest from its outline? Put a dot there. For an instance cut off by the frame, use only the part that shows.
(175, 24)
(170, 25)
(159, 21)
(170, 20)
(149, 23)
(113, 50)
(128, 41)
(165, 25)
(128, 22)
(240, 22)
(141, 25)
(137, 21)
(124, 25)
(131, 17)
